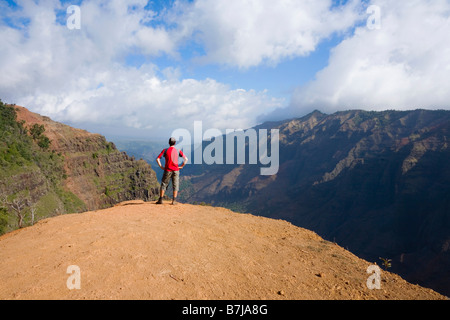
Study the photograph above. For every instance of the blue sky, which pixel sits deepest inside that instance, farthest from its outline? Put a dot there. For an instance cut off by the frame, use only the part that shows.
(144, 68)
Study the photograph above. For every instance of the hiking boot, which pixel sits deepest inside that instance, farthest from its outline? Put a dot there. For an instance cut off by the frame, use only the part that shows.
(160, 201)
(174, 202)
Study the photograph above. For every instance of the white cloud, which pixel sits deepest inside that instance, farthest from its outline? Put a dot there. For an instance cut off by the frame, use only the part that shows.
(248, 33)
(403, 65)
(142, 100)
(79, 76)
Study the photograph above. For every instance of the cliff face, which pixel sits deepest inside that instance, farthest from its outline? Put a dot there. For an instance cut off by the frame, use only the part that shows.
(95, 171)
(377, 183)
(71, 171)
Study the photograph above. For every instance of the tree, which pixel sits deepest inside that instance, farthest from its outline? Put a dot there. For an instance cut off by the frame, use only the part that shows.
(33, 213)
(17, 206)
(36, 131)
(44, 142)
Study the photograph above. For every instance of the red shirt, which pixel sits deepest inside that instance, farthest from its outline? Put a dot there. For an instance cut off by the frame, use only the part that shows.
(171, 155)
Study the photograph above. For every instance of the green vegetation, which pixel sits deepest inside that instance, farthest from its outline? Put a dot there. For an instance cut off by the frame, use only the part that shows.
(202, 203)
(386, 263)
(234, 206)
(31, 175)
(109, 146)
(3, 220)
(37, 133)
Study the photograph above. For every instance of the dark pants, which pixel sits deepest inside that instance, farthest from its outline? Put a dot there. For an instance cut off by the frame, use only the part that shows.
(170, 175)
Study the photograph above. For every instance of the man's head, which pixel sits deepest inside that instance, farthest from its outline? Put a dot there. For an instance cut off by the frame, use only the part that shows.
(172, 141)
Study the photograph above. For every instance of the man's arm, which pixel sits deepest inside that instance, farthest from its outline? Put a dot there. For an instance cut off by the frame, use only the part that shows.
(159, 163)
(184, 162)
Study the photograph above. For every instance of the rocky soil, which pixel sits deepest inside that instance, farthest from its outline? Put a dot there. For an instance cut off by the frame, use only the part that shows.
(140, 250)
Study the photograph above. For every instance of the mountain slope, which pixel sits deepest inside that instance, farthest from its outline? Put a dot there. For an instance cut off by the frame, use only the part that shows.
(52, 168)
(139, 250)
(96, 171)
(377, 183)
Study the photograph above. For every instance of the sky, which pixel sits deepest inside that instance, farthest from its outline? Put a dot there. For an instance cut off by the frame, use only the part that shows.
(141, 69)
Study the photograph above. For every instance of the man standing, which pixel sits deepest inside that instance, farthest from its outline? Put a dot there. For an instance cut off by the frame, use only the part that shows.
(171, 169)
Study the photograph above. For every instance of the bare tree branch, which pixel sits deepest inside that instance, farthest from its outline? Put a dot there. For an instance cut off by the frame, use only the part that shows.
(17, 206)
